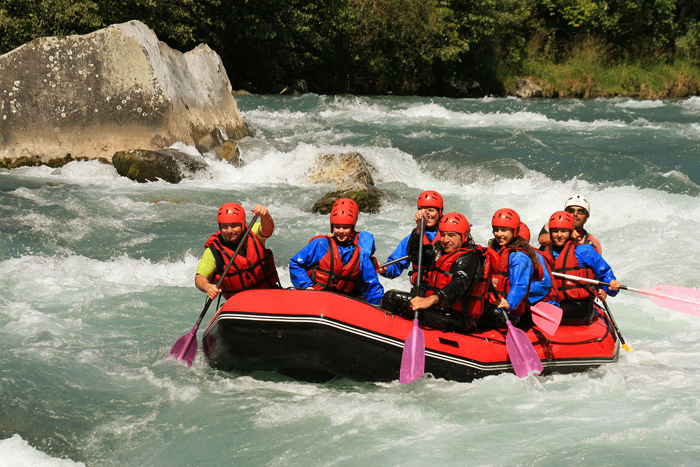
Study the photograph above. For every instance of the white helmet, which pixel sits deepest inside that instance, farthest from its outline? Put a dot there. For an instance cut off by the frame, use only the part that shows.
(578, 200)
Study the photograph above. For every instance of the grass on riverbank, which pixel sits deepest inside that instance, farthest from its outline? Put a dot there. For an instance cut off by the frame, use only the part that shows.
(585, 74)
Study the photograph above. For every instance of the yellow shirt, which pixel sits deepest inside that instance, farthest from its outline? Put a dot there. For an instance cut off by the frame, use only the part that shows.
(207, 265)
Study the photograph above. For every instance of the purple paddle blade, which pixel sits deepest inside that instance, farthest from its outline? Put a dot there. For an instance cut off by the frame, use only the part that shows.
(522, 354)
(546, 317)
(413, 358)
(185, 348)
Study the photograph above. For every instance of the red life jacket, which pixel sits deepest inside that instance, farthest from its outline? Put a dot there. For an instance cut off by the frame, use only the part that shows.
(252, 268)
(331, 274)
(440, 275)
(413, 274)
(500, 279)
(566, 263)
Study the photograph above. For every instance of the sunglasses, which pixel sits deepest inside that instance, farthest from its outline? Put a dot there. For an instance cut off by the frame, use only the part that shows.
(576, 211)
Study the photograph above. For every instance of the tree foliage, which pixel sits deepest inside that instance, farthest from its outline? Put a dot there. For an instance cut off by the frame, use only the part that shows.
(381, 46)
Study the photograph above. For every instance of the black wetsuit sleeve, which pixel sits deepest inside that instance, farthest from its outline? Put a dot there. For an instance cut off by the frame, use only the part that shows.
(414, 243)
(465, 273)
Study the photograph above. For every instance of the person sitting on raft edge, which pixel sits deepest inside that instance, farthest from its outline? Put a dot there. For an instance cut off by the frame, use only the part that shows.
(337, 263)
(254, 265)
(514, 266)
(568, 256)
(430, 206)
(580, 209)
(452, 301)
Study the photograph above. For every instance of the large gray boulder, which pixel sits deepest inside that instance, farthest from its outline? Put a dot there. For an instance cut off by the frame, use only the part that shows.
(114, 89)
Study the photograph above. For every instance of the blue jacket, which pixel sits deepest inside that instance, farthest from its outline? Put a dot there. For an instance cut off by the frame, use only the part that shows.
(520, 271)
(309, 256)
(587, 256)
(366, 242)
(540, 289)
(395, 270)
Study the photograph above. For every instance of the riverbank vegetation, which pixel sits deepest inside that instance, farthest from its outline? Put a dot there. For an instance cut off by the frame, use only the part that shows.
(570, 48)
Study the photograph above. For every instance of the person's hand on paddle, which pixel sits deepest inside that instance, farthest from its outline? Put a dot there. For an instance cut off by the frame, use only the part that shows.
(503, 304)
(267, 225)
(207, 287)
(431, 217)
(260, 211)
(212, 291)
(203, 284)
(421, 303)
(614, 285)
(417, 217)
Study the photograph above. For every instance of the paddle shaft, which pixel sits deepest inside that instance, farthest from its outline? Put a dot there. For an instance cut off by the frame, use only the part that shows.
(413, 355)
(228, 266)
(617, 330)
(394, 261)
(624, 287)
(420, 259)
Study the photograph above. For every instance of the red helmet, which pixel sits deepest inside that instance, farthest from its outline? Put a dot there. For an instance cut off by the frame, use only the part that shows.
(455, 222)
(430, 199)
(231, 213)
(344, 211)
(506, 217)
(524, 232)
(561, 220)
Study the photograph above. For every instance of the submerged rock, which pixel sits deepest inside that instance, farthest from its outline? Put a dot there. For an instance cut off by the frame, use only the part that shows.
(353, 179)
(352, 176)
(367, 197)
(149, 166)
(229, 151)
(111, 90)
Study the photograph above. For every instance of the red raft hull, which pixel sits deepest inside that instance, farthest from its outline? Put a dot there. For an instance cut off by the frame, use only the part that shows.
(317, 336)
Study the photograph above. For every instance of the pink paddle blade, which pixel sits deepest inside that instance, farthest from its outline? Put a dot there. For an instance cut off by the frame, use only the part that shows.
(185, 348)
(522, 354)
(676, 298)
(413, 358)
(547, 317)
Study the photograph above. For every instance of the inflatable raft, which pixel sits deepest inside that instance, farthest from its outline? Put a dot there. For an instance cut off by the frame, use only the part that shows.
(316, 336)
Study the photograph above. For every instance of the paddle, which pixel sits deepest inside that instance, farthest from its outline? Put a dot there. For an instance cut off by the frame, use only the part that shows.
(546, 317)
(185, 348)
(522, 353)
(628, 348)
(413, 358)
(394, 261)
(668, 296)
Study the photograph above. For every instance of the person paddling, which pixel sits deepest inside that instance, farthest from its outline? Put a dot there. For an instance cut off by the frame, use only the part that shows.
(252, 268)
(430, 206)
(567, 256)
(514, 266)
(580, 209)
(454, 270)
(337, 263)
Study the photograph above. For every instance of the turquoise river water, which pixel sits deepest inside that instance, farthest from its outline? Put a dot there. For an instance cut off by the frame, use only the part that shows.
(97, 285)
